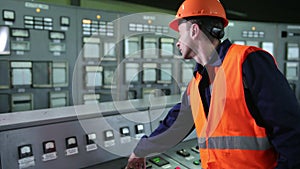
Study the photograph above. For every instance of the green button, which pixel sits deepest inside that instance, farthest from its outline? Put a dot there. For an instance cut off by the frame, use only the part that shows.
(196, 162)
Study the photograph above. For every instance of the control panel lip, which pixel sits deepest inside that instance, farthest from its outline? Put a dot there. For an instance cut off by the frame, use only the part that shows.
(17, 120)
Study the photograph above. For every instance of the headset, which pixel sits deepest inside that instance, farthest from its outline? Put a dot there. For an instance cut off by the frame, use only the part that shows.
(217, 32)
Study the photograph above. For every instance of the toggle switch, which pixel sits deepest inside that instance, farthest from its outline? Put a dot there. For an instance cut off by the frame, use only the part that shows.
(195, 149)
(183, 153)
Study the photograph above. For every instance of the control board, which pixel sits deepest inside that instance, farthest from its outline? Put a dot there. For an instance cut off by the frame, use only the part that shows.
(81, 136)
(185, 155)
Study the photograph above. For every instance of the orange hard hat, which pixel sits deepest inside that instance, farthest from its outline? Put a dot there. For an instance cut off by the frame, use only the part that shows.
(191, 8)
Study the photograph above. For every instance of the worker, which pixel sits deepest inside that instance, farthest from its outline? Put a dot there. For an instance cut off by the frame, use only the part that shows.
(244, 111)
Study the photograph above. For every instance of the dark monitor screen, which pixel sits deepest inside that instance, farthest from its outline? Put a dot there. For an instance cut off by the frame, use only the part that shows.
(4, 40)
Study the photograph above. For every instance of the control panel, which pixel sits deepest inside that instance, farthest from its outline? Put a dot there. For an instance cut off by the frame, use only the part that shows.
(183, 156)
(77, 136)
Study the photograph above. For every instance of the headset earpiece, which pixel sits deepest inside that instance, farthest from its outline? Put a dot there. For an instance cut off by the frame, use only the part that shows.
(217, 32)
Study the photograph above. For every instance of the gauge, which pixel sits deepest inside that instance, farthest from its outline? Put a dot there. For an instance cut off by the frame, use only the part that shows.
(56, 35)
(15, 32)
(8, 15)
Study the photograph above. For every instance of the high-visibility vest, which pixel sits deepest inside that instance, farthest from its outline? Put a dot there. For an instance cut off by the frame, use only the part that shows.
(229, 137)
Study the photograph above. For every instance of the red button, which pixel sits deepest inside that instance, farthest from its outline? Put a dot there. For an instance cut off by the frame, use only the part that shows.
(177, 167)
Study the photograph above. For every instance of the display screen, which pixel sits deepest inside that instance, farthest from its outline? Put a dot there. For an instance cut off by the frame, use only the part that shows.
(4, 40)
(150, 48)
(292, 51)
(21, 73)
(21, 102)
(59, 99)
(167, 47)
(59, 74)
(91, 98)
(93, 76)
(132, 47)
(57, 47)
(57, 35)
(65, 21)
(149, 72)
(8, 15)
(166, 73)
(91, 50)
(109, 49)
(291, 71)
(20, 45)
(108, 77)
(132, 70)
(23, 33)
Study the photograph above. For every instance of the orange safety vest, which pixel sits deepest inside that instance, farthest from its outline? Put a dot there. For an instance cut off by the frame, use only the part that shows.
(229, 137)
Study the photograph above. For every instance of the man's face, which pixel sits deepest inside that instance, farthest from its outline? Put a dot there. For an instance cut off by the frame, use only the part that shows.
(185, 43)
(194, 44)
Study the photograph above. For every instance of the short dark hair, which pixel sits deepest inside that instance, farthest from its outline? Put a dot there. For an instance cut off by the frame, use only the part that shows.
(213, 27)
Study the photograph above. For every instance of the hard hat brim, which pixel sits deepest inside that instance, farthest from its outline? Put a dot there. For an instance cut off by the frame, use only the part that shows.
(174, 24)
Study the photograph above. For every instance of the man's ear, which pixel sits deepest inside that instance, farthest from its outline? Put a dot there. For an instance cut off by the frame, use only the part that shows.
(194, 30)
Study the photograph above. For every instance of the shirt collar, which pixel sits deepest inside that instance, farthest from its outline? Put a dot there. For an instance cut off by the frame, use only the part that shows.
(221, 50)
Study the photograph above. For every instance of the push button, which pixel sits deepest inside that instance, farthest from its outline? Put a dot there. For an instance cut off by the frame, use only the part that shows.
(196, 162)
(159, 161)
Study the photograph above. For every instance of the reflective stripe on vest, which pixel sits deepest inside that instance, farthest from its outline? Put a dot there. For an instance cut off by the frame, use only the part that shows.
(235, 142)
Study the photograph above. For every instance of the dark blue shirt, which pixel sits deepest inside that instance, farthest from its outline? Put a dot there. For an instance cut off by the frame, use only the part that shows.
(269, 98)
